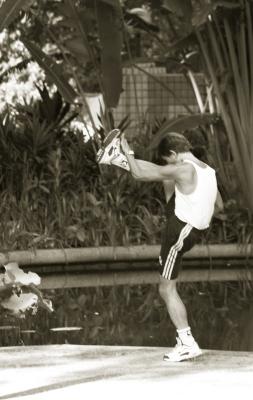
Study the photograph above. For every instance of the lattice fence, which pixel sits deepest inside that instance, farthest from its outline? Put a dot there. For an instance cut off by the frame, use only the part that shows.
(156, 94)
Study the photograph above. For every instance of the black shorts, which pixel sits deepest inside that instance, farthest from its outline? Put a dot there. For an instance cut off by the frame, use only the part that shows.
(177, 238)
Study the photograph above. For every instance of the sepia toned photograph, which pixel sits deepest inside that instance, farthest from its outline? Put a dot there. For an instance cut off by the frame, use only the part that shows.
(126, 199)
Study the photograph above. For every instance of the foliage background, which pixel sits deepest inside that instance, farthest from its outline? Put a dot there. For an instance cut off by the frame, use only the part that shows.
(52, 194)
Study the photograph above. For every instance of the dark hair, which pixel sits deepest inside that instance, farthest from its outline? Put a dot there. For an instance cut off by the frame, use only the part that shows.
(173, 142)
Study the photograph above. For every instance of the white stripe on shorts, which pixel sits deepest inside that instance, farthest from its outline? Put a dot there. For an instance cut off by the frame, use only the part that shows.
(171, 258)
(166, 267)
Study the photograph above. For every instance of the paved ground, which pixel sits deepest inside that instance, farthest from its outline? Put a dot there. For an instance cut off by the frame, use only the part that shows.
(107, 372)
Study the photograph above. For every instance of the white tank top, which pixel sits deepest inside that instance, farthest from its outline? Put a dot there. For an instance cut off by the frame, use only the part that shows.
(197, 207)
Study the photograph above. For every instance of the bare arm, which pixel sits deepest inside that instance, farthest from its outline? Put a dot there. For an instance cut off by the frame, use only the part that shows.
(146, 170)
(168, 185)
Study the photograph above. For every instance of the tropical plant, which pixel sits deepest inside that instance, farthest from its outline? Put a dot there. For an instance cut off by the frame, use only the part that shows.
(19, 293)
(209, 37)
(79, 40)
(51, 190)
(9, 11)
(52, 193)
(75, 31)
(230, 69)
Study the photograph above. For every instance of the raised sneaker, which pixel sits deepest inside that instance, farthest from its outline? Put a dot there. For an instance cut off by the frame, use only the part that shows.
(109, 139)
(183, 352)
(121, 161)
(110, 153)
(114, 133)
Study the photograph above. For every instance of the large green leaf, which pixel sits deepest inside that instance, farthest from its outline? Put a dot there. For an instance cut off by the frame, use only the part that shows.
(202, 13)
(86, 15)
(140, 18)
(80, 27)
(52, 70)
(113, 3)
(111, 40)
(77, 47)
(9, 11)
(182, 8)
(108, 14)
(250, 63)
(181, 124)
(231, 94)
(143, 13)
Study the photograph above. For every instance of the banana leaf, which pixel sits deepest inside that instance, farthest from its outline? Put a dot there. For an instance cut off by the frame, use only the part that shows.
(182, 8)
(79, 27)
(52, 70)
(201, 16)
(113, 3)
(111, 40)
(83, 43)
(77, 47)
(233, 98)
(140, 18)
(9, 11)
(181, 124)
(250, 62)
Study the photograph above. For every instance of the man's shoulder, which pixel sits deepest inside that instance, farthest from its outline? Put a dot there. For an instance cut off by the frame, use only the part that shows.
(178, 166)
(185, 167)
(180, 171)
(186, 173)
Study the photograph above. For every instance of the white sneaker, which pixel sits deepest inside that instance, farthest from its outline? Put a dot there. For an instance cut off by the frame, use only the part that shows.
(114, 133)
(108, 141)
(110, 152)
(121, 161)
(183, 352)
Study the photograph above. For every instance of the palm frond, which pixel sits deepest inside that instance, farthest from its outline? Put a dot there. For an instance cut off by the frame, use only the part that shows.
(180, 124)
(52, 70)
(9, 11)
(110, 31)
(15, 68)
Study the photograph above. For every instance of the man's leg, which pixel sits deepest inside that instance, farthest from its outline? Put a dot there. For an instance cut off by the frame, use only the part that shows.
(177, 237)
(174, 304)
(186, 347)
(110, 152)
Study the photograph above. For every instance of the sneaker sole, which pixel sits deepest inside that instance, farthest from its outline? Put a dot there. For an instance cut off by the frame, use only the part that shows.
(110, 136)
(189, 357)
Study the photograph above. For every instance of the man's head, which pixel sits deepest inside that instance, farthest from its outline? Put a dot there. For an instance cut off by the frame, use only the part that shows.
(172, 145)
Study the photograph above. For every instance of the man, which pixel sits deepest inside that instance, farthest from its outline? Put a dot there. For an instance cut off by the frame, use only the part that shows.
(194, 185)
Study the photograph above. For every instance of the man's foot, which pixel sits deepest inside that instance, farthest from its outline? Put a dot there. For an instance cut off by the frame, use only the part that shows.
(183, 352)
(108, 140)
(110, 152)
(114, 133)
